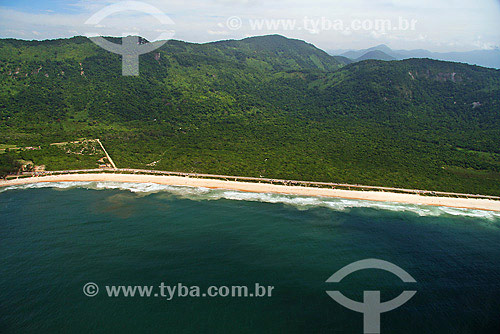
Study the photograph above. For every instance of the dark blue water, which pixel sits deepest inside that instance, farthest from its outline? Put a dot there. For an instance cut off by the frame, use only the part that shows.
(53, 241)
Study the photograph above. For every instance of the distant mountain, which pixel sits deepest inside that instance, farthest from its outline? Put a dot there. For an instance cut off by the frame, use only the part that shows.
(355, 54)
(375, 54)
(343, 60)
(486, 58)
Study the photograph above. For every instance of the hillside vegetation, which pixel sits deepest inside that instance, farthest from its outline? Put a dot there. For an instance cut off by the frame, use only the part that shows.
(263, 106)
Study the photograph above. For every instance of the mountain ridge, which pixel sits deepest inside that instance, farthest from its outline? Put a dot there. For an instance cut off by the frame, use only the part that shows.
(376, 55)
(486, 58)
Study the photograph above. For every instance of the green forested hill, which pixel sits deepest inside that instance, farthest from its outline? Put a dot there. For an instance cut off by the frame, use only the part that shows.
(266, 106)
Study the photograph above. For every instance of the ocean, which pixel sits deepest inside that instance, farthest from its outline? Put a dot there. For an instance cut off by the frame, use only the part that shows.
(56, 238)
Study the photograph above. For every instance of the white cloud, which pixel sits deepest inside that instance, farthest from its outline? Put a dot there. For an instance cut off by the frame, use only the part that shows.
(218, 32)
(442, 24)
(485, 45)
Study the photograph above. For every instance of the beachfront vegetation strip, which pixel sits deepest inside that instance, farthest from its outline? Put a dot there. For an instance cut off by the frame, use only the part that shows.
(54, 156)
(265, 106)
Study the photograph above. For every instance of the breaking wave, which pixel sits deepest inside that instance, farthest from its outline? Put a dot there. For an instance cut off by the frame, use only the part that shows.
(299, 202)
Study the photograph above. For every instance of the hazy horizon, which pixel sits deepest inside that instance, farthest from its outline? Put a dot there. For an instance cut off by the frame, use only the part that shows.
(328, 50)
(437, 26)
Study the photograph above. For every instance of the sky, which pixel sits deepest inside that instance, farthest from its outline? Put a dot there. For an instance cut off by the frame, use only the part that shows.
(435, 25)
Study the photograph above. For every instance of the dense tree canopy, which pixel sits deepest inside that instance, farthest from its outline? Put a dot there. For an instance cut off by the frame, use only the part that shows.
(266, 106)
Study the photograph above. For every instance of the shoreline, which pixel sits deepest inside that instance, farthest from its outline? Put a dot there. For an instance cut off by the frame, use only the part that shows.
(462, 203)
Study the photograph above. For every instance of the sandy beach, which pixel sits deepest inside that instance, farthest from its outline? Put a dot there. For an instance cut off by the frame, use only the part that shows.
(466, 203)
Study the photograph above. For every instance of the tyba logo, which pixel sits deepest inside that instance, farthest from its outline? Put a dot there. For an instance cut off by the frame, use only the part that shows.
(371, 307)
(131, 48)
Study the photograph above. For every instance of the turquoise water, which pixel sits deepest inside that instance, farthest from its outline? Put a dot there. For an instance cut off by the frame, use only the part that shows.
(54, 239)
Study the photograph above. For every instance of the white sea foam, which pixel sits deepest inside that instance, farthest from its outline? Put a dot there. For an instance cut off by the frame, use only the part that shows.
(300, 202)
